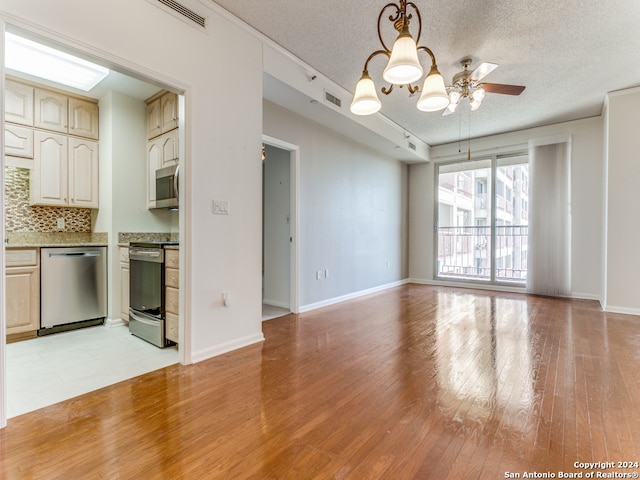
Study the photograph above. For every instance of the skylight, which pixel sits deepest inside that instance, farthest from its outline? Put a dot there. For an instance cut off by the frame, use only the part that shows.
(45, 62)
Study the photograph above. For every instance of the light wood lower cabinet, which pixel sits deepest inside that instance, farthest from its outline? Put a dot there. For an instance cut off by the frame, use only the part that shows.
(172, 293)
(124, 283)
(23, 293)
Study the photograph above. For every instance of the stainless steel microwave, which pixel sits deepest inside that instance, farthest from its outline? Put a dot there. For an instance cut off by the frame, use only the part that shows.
(167, 187)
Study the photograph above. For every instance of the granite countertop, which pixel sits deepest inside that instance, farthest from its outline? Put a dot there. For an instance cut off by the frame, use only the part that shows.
(55, 239)
(81, 239)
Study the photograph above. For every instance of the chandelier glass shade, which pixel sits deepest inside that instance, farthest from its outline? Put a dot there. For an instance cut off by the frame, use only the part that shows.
(403, 67)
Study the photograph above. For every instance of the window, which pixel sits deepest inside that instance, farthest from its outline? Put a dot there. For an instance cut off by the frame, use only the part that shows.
(482, 231)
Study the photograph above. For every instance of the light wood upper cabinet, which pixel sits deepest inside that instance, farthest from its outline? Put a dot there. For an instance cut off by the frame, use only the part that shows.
(18, 141)
(65, 114)
(18, 103)
(22, 283)
(169, 109)
(49, 177)
(154, 119)
(83, 118)
(65, 172)
(154, 162)
(51, 110)
(169, 146)
(83, 173)
(162, 114)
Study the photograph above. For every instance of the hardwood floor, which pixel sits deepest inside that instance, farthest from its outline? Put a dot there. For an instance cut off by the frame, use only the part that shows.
(413, 382)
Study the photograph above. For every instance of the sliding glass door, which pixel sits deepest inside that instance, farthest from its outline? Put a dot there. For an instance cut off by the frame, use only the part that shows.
(482, 220)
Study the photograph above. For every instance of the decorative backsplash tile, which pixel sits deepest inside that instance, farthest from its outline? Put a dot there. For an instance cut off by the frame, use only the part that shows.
(22, 217)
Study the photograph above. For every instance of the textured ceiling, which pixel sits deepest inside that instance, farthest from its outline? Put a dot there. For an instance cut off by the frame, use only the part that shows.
(568, 54)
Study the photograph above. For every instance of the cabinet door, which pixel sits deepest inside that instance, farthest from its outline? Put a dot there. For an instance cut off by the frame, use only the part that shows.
(49, 175)
(171, 327)
(83, 118)
(18, 141)
(169, 109)
(154, 119)
(23, 299)
(83, 173)
(171, 300)
(18, 103)
(154, 161)
(50, 110)
(169, 145)
(124, 291)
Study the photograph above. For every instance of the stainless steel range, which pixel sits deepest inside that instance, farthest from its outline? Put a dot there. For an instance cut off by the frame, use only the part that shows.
(146, 292)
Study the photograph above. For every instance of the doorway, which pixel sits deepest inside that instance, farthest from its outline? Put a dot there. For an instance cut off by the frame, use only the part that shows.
(279, 229)
(126, 88)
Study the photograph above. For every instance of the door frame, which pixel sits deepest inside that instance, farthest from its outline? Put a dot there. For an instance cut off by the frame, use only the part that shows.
(294, 252)
(185, 215)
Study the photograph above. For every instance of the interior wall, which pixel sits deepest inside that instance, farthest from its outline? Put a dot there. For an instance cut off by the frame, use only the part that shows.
(586, 199)
(353, 210)
(277, 227)
(223, 142)
(623, 197)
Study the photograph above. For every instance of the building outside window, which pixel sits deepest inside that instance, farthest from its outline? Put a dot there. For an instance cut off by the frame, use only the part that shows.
(482, 220)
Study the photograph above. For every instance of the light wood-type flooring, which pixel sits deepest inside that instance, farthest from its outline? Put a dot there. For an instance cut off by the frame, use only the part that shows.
(416, 382)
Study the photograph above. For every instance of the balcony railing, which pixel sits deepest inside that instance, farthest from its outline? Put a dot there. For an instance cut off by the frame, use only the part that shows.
(465, 253)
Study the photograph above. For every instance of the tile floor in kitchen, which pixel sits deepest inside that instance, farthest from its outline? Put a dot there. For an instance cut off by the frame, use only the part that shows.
(49, 369)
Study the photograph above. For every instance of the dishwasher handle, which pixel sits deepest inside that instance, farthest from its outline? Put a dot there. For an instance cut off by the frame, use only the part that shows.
(74, 254)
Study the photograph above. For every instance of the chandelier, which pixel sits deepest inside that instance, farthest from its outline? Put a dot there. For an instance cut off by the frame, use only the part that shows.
(403, 67)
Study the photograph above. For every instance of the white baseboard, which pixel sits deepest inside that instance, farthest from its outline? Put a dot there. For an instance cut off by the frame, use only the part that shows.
(114, 322)
(624, 310)
(350, 296)
(216, 350)
(477, 286)
(275, 303)
(498, 288)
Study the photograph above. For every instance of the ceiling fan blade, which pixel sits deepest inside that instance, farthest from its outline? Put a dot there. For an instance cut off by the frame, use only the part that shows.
(483, 70)
(446, 112)
(502, 88)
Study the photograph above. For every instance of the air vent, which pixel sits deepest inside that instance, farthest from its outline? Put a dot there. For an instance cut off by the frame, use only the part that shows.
(333, 99)
(185, 12)
(412, 146)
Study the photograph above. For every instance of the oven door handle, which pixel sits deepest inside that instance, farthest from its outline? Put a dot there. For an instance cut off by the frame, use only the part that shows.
(146, 256)
(146, 321)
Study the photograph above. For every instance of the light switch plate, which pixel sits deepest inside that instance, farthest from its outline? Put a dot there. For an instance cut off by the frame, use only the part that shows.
(221, 207)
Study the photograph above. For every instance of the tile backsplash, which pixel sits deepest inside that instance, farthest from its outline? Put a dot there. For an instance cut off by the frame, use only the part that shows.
(22, 217)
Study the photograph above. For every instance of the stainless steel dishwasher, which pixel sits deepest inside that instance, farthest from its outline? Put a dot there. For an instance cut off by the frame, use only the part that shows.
(73, 288)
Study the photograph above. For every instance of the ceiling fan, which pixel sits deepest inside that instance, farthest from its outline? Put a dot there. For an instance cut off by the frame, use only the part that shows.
(466, 84)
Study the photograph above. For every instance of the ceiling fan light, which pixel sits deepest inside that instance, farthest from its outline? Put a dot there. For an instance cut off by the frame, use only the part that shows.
(478, 94)
(365, 101)
(403, 67)
(434, 95)
(475, 104)
(454, 99)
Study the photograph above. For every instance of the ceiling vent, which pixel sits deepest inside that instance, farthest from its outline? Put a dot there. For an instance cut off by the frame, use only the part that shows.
(412, 146)
(184, 12)
(333, 99)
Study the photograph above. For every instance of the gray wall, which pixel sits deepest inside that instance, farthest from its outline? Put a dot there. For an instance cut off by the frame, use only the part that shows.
(277, 228)
(353, 209)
